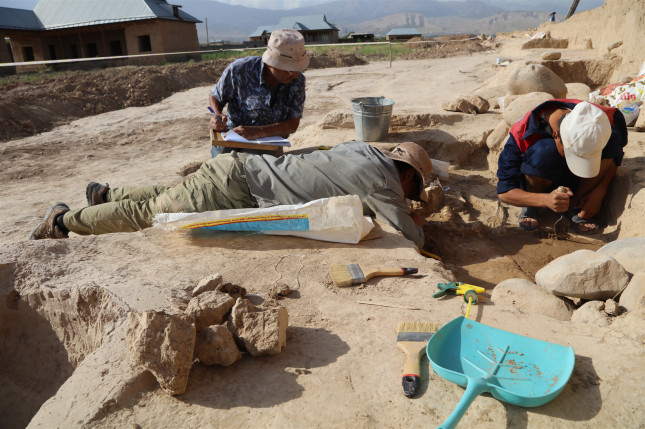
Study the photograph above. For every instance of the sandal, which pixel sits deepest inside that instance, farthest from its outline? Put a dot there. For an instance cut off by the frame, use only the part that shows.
(576, 221)
(529, 213)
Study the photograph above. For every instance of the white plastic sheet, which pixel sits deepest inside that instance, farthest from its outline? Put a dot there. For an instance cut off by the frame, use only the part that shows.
(336, 219)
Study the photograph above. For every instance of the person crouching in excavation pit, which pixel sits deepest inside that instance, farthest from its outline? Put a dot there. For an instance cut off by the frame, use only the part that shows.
(569, 143)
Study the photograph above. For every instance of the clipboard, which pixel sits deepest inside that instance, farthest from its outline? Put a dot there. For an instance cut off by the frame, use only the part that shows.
(218, 140)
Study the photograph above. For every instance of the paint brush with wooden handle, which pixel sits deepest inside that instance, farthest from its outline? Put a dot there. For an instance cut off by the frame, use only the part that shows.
(354, 274)
(412, 338)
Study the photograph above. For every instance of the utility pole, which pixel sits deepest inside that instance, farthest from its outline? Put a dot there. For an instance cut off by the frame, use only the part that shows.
(208, 43)
(572, 9)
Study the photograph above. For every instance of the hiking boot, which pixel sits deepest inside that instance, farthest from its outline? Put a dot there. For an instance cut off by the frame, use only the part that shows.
(48, 228)
(95, 193)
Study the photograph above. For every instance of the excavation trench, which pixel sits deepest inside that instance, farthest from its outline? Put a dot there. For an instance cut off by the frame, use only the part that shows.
(44, 336)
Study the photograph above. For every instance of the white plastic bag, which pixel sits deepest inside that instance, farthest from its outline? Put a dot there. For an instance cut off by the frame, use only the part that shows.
(630, 112)
(337, 219)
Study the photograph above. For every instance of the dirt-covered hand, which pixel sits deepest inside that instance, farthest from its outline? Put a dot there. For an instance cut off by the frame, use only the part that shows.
(559, 201)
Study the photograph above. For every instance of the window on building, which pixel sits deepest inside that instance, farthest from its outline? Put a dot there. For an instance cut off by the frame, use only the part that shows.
(52, 52)
(324, 37)
(73, 51)
(27, 53)
(92, 50)
(115, 47)
(144, 44)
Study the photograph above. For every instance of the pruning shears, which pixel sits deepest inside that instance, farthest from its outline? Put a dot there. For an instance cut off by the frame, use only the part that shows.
(469, 292)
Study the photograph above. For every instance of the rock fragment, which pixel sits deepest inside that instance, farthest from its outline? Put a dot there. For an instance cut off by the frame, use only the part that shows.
(163, 344)
(628, 252)
(591, 313)
(640, 122)
(209, 308)
(208, 284)
(236, 291)
(523, 104)
(612, 308)
(530, 298)
(536, 78)
(472, 104)
(633, 297)
(215, 346)
(583, 274)
(262, 331)
(552, 55)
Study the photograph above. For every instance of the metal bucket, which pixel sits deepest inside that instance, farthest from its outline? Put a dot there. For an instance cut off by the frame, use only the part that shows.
(372, 117)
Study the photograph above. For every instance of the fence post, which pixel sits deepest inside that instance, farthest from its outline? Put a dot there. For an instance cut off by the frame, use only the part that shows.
(390, 45)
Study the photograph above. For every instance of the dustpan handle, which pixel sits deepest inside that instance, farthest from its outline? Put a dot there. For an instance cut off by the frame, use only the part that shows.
(474, 388)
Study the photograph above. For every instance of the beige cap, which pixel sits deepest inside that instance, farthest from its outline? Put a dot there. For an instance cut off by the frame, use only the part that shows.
(286, 51)
(585, 132)
(415, 156)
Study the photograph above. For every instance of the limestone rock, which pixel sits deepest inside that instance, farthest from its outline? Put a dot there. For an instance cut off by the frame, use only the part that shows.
(536, 78)
(262, 331)
(236, 291)
(628, 252)
(530, 298)
(551, 55)
(633, 297)
(495, 140)
(163, 344)
(591, 313)
(546, 43)
(209, 308)
(208, 284)
(612, 308)
(473, 104)
(215, 346)
(640, 122)
(279, 290)
(525, 103)
(578, 90)
(614, 45)
(583, 274)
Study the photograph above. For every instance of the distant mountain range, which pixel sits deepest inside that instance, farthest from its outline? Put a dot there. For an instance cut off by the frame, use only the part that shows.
(430, 17)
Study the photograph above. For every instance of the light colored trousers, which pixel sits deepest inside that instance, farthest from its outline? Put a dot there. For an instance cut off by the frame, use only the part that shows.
(219, 184)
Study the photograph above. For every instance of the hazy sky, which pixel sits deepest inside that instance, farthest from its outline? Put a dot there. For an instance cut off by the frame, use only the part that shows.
(290, 4)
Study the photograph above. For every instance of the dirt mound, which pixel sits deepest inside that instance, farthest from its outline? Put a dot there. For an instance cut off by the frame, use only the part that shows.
(28, 108)
(444, 49)
(334, 59)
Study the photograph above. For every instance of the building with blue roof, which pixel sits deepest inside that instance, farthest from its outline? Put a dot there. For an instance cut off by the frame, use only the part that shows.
(314, 28)
(66, 29)
(402, 34)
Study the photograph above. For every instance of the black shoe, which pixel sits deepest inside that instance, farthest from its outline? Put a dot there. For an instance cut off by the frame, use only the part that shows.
(48, 228)
(95, 193)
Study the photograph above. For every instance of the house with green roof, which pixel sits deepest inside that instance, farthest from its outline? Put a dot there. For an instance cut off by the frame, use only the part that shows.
(314, 28)
(66, 29)
(402, 34)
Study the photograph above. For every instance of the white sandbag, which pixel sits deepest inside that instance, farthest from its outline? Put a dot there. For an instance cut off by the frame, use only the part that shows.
(337, 219)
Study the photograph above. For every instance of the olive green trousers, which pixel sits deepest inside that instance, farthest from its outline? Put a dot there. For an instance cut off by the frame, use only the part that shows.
(219, 184)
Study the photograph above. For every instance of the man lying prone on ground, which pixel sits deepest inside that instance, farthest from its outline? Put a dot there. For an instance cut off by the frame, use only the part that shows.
(382, 180)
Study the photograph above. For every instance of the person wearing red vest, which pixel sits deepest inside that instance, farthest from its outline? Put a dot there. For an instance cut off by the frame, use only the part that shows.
(570, 143)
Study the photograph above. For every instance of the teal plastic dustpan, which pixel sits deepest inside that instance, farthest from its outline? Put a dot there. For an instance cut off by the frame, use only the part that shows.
(515, 369)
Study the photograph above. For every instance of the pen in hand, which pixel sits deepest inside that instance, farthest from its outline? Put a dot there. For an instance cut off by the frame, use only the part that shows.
(218, 118)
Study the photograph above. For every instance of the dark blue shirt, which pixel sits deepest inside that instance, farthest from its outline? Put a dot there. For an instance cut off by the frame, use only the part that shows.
(510, 161)
(248, 97)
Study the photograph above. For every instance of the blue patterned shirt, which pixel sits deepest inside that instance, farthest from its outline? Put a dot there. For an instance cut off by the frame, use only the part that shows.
(248, 97)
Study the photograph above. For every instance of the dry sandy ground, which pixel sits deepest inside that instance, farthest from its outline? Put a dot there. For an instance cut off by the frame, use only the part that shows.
(64, 361)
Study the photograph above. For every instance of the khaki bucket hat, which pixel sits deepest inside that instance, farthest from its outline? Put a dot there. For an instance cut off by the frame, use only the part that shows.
(415, 156)
(286, 51)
